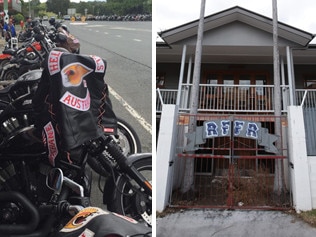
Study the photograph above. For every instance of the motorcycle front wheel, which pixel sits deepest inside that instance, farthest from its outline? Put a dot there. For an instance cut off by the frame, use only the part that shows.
(129, 199)
(127, 138)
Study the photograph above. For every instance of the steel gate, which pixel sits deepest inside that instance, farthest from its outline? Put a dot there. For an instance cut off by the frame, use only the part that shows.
(232, 169)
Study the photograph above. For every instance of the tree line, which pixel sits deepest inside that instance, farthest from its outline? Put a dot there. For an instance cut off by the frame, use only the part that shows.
(96, 8)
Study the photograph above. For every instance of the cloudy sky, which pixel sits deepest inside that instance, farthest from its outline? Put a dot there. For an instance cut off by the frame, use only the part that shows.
(297, 13)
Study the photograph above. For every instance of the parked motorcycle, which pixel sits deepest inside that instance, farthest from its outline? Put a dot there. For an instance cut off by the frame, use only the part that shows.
(125, 136)
(9, 51)
(24, 164)
(29, 56)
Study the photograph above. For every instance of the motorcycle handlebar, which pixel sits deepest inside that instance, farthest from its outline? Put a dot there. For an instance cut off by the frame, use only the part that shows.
(61, 208)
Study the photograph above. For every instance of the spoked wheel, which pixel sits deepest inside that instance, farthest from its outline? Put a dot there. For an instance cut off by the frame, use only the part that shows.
(12, 74)
(127, 138)
(3, 62)
(129, 199)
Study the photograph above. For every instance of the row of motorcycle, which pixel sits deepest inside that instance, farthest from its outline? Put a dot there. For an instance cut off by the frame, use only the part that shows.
(39, 200)
(28, 52)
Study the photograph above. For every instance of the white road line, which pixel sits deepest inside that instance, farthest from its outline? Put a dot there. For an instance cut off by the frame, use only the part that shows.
(138, 40)
(119, 36)
(78, 23)
(132, 111)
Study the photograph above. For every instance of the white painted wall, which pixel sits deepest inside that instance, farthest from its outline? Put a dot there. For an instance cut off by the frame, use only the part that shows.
(300, 172)
(165, 154)
(312, 173)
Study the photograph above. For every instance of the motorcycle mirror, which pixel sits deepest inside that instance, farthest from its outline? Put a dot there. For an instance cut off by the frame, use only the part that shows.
(54, 179)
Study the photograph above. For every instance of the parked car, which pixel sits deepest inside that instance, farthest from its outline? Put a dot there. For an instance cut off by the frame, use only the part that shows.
(45, 18)
(66, 17)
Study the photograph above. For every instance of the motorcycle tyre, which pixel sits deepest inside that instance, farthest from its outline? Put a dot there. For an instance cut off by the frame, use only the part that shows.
(123, 204)
(127, 139)
(12, 74)
(3, 62)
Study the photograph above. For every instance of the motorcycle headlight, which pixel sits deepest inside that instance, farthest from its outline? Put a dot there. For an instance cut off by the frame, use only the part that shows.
(39, 36)
(31, 56)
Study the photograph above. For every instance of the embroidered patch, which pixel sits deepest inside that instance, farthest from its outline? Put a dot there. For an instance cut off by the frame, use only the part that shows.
(81, 104)
(72, 74)
(51, 143)
(53, 62)
(100, 67)
(83, 218)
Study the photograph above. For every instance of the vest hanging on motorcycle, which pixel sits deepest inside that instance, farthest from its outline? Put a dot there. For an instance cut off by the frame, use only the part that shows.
(78, 96)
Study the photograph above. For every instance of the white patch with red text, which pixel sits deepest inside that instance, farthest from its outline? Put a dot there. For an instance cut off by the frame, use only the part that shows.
(87, 233)
(51, 143)
(100, 67)
(82, 104)
(53, 62)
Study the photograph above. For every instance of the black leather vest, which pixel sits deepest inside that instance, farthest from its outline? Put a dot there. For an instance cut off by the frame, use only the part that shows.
(77, 96)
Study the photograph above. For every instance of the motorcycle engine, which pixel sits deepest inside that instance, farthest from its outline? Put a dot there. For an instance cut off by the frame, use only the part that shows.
(10, 213)
(18, 137)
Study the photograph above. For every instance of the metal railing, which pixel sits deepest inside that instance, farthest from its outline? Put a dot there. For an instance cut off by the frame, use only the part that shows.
(165, 96)
(228, 98)
(306, 98)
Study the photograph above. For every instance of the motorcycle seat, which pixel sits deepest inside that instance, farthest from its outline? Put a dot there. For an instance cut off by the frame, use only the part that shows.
(9, 51)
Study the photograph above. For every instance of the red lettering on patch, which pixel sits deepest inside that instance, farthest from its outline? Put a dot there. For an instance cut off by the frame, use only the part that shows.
(82, 104)
(100, 67)
(51, 143)
(53, 62)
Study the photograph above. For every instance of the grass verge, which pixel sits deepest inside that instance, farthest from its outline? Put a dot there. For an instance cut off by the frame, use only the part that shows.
(309, 217)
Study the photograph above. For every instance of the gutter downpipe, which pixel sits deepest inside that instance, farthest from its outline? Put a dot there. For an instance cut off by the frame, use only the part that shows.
(284, 96)
(290, 72)
(186, 97)
(184, 50)
(189, 69)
